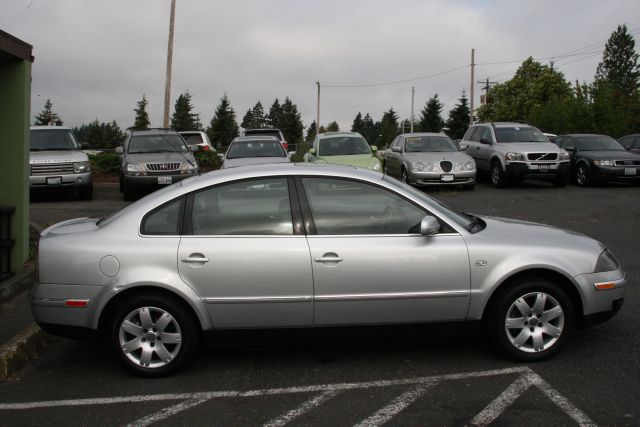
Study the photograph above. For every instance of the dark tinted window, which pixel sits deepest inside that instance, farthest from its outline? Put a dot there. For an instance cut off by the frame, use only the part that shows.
(519, 134)
(161, 143)
(267, 132)
(343, 146)
(598, 143)
(256, 148)
(428, 144)
(255, 207)
(165, 220)
(54, 139)
(477, 133)
(342, 207)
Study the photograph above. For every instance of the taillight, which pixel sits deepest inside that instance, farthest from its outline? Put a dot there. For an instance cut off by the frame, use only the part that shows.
(205, 148)
(285, 146)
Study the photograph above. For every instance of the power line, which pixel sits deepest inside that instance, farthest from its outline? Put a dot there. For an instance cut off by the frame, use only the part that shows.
(398, 81)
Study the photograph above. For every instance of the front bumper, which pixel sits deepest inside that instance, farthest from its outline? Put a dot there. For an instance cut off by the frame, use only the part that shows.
(441, 178)
(537, 169)
(615, 173)
(601, 305)
(148, 182)
(60, 181)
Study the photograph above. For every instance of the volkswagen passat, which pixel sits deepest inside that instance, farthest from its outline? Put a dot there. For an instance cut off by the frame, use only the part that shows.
(282, 246)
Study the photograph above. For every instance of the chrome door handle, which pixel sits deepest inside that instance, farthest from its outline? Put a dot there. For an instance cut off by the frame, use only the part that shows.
(195, 259)
(328, 259)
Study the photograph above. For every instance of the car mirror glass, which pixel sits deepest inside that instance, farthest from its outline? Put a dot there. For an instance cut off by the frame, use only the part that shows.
(429, 226)
(396, 149)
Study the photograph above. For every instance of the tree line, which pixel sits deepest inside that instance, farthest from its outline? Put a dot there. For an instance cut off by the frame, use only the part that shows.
(537, 94)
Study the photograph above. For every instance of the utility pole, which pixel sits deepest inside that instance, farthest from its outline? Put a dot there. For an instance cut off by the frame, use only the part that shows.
(486, 87)
(413, 92)
(167, 87)
(473, 54)
(318, 111)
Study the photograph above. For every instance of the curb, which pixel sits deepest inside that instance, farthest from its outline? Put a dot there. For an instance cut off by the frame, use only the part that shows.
(18, 283)
(22, 348)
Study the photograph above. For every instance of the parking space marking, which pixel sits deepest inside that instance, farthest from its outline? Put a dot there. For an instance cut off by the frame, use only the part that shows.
(322, 393)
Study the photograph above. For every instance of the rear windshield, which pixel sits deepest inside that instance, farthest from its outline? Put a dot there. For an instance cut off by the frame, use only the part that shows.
(429, 144)
(598, 143)
(53, 140)
(156, 144)
(343, 146)
(193, 139)
(268, 132)
(519, 134)
(256, 148)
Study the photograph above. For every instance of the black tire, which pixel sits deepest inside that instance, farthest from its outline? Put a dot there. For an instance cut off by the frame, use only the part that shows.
(582, 176)
(404, 177)
(561, 181)
(534, 327)
(85, 193)
(180, 324)
(497, 175)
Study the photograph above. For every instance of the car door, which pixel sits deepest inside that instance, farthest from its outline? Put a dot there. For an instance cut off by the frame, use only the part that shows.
(484, 148)
(246, 255)
(371, 265)
(394, 158)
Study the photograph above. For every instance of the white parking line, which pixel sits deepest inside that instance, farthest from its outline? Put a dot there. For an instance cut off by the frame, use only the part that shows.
(324, 392)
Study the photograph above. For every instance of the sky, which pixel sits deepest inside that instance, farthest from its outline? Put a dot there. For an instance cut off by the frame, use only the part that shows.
(95, 59)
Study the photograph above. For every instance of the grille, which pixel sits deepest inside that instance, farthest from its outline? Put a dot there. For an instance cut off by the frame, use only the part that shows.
(446, 166)
(162, 167)
(627, 162)
(52, 169)
(537, 157)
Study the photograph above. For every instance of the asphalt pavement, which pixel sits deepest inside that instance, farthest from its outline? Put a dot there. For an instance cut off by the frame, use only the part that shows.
(382, 377)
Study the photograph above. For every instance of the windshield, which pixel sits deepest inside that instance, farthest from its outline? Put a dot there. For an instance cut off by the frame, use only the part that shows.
(520, 134)
(256, 148)
(598, 143)
(53, 140)
(156, 144)
(429, 144)
(193, 139)
(343, 146)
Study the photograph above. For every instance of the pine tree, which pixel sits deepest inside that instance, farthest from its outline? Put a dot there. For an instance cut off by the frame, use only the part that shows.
(312, 130)
(47, 116)
(458, 121)
(333, 127)
(142, 117)
(223, 126)
(370, 130)
(290, 122)
(183, 117)
(388, 128)
(273, 118)
(247, 120)
(431, 116)
(259, 119)
(619, 67)
(358, 124)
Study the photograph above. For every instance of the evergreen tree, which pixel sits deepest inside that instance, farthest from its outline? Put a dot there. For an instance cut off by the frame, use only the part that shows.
(223, 126)
(619, 67)
(388, 128)
(358, 124)
(142, 117)
(370, 130)
(47, 116)
(183, 117)
(247, 120)
(273, 118)
(312, 130)
(458, 121)
(333, 127)
(431, 116)
(290, 122)
(254, 118)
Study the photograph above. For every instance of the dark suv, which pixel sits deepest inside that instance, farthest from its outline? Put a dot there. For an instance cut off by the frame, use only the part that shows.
(153, 158)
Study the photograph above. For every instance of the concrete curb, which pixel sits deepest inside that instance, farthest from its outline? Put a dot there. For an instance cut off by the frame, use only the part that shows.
(22, 348)
(18, 283)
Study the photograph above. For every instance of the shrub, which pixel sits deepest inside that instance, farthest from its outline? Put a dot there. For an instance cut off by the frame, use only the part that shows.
(108, 163)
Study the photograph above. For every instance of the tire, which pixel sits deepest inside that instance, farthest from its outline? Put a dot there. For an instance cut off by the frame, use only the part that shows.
(404, 177)
(168, 332)
(497, 175)
(582, 176)
(561, 181)
(85, 193)
(531, 320)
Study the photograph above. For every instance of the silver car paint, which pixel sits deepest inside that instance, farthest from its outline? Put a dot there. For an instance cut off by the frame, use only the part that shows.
(70, 254)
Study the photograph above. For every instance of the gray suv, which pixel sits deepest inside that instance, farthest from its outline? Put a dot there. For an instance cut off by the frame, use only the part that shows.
(153, 158)
(515, 151)
(56, 161)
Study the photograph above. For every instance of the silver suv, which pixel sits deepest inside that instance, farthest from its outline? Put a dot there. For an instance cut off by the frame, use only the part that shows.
(56, 161)
(515, 151)
(154, 158)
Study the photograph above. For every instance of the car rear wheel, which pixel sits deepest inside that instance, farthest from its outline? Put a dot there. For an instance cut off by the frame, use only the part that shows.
(152, 335)
(531, 321)
(498, 178)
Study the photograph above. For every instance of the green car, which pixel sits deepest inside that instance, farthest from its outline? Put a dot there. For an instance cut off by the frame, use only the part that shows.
(343, 148)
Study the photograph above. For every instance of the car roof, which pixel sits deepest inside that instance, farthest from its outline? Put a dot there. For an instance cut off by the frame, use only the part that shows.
(583, 135)
(256, 138)
(508, 124)
(153, 131)
(339, 133)
(49, 127)
(424, 134)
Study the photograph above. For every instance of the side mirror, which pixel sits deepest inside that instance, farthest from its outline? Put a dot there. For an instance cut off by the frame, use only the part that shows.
(396, 149)
(312, 151)
(429, 226)
(374, 148)
(464, 147)
(119, 150)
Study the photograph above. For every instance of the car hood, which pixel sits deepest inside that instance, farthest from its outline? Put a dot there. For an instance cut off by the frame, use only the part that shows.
(244, 161)
(529, 147)
(453, 157)
(159, 158)
(608, 155)
(39, 157)
(358, 160)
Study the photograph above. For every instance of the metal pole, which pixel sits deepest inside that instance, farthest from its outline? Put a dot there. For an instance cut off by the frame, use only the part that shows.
(413, 92)
(473, 54)
(318, 111)
(167, 87)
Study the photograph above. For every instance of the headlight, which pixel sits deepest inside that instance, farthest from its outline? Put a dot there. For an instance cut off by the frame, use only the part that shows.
(429, 166)
(606, 262)
(603, 163)
(82, 167)
(564, 155)
(374, 164)
(470, 165)
(464, 166)
(514, 157)
(134, 168)
(419, 166)
(186, 168)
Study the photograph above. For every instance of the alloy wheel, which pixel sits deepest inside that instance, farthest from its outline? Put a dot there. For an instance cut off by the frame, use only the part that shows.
(534, 322)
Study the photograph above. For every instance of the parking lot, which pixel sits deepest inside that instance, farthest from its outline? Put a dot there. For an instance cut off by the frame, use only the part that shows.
(368, 377)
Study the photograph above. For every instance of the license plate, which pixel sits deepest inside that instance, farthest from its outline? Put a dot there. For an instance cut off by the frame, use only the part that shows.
(54, 181)
(164, 180)
(446, 178)
(630, 171)
(543, 167)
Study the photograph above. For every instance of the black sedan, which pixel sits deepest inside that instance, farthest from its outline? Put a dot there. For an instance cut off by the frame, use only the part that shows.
(599, 158)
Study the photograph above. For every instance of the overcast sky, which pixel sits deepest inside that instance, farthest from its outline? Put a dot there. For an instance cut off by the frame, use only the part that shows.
(95, 59)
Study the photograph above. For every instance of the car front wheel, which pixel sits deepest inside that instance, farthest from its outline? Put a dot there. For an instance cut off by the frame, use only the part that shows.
(582, 176)
(498, 178)
(152, 335)
(531, 321)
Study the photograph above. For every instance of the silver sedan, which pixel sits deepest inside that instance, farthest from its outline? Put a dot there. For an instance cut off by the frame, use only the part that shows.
(279, 246)
(429, 159)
